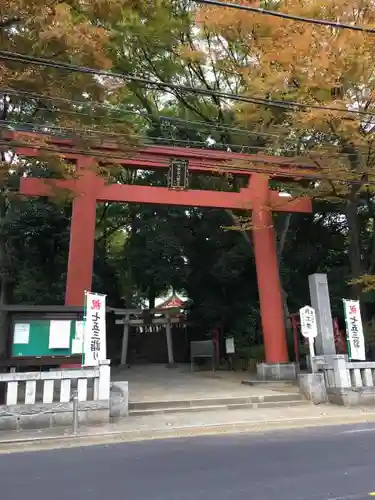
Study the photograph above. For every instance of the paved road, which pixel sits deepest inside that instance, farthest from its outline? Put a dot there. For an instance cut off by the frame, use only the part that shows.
(300, 465)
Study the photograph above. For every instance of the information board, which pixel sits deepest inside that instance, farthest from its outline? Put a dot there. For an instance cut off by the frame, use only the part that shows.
(41, 338)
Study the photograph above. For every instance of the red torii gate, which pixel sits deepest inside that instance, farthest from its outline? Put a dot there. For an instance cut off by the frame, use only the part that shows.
(89, 188)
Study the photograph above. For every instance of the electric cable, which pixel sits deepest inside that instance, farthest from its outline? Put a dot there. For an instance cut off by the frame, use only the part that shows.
(69, 132)
(140, 114)
(289, 105)
(95, 104)
(290, 170)
(74, 131)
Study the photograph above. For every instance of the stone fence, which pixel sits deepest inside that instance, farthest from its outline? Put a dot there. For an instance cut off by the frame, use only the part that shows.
(349, 375)
(44, 399)
(340, 381)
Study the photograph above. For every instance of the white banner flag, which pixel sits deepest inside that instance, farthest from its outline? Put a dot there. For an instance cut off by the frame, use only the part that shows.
(95, 348)
(354, 330)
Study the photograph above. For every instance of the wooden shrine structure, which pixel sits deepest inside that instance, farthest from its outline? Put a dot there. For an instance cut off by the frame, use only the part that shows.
(257, 197)
(142, 318)
(173, 301)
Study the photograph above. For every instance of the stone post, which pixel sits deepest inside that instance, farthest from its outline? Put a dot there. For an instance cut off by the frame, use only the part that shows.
(119, 403)
(168, 332)
(320, 301)
(341, 372)
(104, 380)
(125, 340)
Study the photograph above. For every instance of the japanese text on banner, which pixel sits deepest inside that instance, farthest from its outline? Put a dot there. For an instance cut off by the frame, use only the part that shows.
(354, 330)
(95, 329)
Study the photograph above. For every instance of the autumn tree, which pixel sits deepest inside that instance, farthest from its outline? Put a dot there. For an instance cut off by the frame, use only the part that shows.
(324, 73)
(35, 97)
(49, 100)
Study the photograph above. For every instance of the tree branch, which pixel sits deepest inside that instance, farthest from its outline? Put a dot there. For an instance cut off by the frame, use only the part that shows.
(283, 236)
(371, 261)
(176, 94)
(7, 23)
(110, 231)
(105, 210)
(245, 234)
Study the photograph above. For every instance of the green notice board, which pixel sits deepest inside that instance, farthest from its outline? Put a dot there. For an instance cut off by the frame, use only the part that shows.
(31, 338)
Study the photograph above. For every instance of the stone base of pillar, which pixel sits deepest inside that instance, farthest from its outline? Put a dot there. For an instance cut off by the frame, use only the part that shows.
(313, 387)
(171, 365)
(361, 396)
(277, 371)
(325, 359)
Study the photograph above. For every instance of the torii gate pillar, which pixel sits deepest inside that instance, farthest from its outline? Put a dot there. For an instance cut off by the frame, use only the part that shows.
(269, 288)
(82, 235)
(268, 276)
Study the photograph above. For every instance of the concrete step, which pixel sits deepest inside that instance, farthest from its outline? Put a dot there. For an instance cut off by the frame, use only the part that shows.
(250, 406)
(158, 407)
(258, 382)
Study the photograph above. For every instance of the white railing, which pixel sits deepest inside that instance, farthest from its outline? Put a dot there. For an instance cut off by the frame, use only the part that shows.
(361, 374)
(343, 374)
(92, 384)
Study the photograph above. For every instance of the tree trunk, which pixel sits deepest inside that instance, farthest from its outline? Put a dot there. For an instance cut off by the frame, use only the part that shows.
(129, 286)
(3, 281)
(354, 247)
(151, 300)
(280, 249)
(283, 235)
(3, 276)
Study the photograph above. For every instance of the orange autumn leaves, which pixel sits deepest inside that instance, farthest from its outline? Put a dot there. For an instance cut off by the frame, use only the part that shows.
(73, 31)
(282, 51)
(304, 63)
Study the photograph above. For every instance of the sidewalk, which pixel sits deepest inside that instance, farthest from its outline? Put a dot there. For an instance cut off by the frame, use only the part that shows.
(186, 424)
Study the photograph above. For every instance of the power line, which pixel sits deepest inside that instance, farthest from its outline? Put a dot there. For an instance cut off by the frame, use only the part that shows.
(220, 168)
(282, 15)
(92, 132)
(184, 121)
(71, 132)
(140, 114)
(39, 61)
(158, 139)
(172, 119)
(289, 105)
(108, 155)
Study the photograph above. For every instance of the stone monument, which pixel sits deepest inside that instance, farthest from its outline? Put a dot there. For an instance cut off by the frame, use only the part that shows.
(320, 301)
(313, 385)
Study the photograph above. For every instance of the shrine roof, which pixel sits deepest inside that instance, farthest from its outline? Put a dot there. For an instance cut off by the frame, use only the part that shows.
(173, 301)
